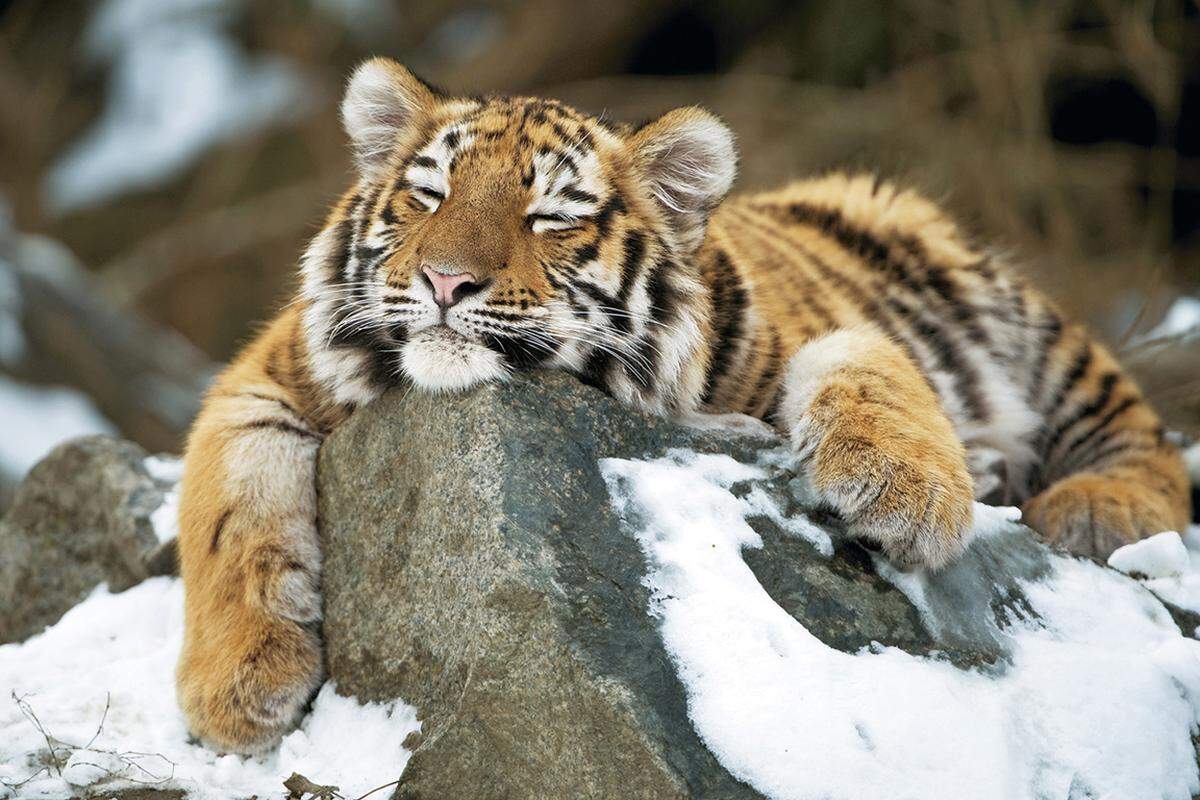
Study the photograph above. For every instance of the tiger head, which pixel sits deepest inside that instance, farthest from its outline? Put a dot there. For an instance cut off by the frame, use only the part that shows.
(487, 235)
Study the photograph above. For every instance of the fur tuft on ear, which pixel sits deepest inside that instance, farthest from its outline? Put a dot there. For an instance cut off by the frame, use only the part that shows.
(383, 99)
(689, 159)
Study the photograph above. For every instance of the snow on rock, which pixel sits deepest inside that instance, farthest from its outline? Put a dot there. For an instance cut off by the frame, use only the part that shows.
(1182, 587)
(1099, 698)
(165, 519)
(38, 418)
(178, 85)
(1160, 556)
(103, 681)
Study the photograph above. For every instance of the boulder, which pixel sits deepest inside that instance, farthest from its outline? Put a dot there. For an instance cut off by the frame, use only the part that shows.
(80, 518)
(475, 567)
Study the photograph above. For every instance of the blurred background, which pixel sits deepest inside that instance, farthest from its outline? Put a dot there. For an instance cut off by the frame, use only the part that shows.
(162, 162)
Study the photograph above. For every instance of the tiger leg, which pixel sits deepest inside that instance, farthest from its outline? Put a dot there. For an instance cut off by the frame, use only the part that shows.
(877, 446)
(1109, 477)
(250, 562)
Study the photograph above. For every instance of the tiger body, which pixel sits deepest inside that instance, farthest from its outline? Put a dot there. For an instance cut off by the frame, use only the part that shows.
(911, 371)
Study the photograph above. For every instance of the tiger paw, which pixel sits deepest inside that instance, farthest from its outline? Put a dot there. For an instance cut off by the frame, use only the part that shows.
(1092, 515)
(244, 688)
(914, 499)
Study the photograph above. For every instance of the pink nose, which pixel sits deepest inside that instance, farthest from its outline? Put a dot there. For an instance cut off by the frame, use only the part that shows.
(446, 287)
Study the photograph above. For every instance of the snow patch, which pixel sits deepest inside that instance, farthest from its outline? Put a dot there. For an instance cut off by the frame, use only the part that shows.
(1160, 556)
(166, 470)
(112, 658)
(179, 84)
(1100, 699)
(38, 418)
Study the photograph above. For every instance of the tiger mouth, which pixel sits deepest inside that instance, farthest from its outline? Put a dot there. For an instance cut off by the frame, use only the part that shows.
(442, 359)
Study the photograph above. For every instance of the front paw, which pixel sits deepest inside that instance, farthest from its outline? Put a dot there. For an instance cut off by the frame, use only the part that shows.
(1092, 515)
(244, 689)
(911, 495)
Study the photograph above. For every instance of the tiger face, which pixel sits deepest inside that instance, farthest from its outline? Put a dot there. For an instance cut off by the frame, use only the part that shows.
(498, 234)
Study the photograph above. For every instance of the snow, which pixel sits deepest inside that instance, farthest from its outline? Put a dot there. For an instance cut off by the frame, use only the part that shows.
(1160, 556)
(165, 518)
(38, 418)
(109, 666)
(1100, 698)
(1183, 317)
(178, 85)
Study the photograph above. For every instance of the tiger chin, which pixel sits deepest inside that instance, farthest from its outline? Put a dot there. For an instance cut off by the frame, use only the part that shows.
(911, 370)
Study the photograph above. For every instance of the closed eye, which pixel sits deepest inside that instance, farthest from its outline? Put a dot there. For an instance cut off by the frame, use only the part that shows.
(541, 223)
(428, 196)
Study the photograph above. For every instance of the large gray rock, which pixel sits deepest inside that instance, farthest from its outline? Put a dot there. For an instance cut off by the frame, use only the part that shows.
(475, 568)
(80, 518)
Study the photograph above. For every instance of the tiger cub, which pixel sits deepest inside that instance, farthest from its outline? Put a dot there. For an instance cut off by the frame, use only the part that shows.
(910, 370)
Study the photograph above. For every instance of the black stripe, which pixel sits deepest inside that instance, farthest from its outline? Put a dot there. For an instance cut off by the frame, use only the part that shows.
(662, 295)
(424, 161)
(1081, 445)
(283, 404)
(1107, 385)
(766, 381)
(216, 537)
(1121, 448)
(950, 360)
(281, 426)
(519, 351)
(633, 250)
(729, 306)
(1071, 379)
(612, 206)
(578, 195)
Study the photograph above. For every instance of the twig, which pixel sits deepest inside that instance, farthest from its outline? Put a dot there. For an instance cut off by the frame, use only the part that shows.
(378, 788)
(103, 717)
(27, 712)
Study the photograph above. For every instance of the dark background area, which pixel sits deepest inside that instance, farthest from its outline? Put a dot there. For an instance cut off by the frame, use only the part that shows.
(1067, 133)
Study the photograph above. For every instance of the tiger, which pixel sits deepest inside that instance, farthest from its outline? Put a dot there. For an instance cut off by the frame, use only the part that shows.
(911, 370)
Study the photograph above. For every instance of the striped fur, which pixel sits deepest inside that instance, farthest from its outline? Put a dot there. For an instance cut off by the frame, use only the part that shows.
(911, 370)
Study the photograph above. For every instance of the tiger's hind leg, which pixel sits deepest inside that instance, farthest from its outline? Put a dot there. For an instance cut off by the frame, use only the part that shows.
(876, 445)
(1107, 476)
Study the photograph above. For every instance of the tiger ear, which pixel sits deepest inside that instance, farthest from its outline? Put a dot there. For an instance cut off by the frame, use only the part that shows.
(689, 159)
(383, 101)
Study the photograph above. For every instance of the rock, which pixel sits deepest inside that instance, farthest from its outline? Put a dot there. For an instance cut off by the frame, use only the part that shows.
(475, 568)
(80, 518)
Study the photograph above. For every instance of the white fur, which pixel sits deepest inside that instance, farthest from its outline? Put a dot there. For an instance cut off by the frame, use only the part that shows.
(376, 108)
(808, 370)
(690, 160)
(440, 360)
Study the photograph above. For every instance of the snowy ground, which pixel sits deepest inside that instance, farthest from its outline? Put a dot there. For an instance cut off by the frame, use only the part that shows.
(119, 651)
(1100, 701)
(101, 683)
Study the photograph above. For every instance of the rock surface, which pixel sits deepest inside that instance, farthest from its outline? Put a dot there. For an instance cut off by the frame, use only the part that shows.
(475, 568)
(80, 518)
